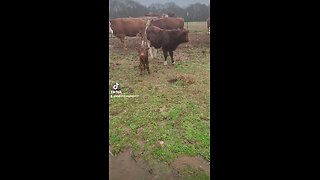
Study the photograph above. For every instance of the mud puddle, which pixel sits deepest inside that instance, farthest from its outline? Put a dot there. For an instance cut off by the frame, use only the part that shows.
(123, 166)
(127, 166)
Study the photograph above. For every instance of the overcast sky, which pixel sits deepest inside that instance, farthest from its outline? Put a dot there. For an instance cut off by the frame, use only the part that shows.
(181, 3)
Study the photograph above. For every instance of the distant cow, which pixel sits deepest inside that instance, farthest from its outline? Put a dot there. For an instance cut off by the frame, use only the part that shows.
(208, 25)
(168, 40)
(168, 23)
(131, 27)
(143, 58)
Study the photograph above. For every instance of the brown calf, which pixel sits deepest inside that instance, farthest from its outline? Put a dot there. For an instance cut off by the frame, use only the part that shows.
(143, 57)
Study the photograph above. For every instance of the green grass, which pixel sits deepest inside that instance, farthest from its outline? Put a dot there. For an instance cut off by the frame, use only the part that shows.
(177, 113)
(196, 26)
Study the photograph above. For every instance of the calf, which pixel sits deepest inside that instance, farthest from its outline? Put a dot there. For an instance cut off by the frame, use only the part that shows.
(143, 57)
(168, 40)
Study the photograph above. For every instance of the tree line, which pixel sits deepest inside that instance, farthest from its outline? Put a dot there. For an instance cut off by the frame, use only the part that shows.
(129, 8)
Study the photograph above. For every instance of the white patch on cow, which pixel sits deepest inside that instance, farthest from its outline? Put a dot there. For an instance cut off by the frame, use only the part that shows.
(165, 63)
(150, 50)
(148, 24)
(110, 29)
(209, 30)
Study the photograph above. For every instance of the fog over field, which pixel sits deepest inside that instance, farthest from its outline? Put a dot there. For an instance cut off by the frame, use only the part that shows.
(181, 3)
(190, 10)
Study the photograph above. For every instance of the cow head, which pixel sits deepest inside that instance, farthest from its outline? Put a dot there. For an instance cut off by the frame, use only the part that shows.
(183, 35)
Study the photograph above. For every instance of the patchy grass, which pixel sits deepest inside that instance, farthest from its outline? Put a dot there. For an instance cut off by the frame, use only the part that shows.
(196, 26)
(173, 106)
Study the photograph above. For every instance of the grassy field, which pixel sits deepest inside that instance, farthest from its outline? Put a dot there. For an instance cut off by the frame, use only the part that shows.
(173, 103)
(196, 26)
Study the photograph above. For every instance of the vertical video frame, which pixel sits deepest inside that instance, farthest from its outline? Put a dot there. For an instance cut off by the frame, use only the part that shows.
(159, 89)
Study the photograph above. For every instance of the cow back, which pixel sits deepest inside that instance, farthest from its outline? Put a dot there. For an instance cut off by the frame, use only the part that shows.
(155, 36)
(167, 39)
(169, 23)
(128, 26)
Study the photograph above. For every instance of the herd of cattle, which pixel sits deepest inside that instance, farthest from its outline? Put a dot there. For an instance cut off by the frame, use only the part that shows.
(166, 33)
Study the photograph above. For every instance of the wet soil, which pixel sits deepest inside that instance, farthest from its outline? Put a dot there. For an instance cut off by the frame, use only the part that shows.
(126, 165)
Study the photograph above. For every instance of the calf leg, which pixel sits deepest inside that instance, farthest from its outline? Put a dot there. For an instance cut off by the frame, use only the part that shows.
(165, 54)
(141, 68)
(143, 40)
(147, 65)
(171, 55)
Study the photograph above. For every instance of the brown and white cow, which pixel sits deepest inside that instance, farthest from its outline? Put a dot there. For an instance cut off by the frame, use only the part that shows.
(168, 40)
(131, 27)
(208, 25)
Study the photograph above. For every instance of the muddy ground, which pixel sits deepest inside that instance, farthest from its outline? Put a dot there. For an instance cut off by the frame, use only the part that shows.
(127, 165)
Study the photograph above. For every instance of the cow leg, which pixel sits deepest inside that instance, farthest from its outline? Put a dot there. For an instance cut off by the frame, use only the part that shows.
(150, 50)
(165, 54)
(123, 42)
(171, 55)
(155, 52)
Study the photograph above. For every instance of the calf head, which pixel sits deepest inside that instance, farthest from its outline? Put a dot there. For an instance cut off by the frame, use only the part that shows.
(142, 52)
